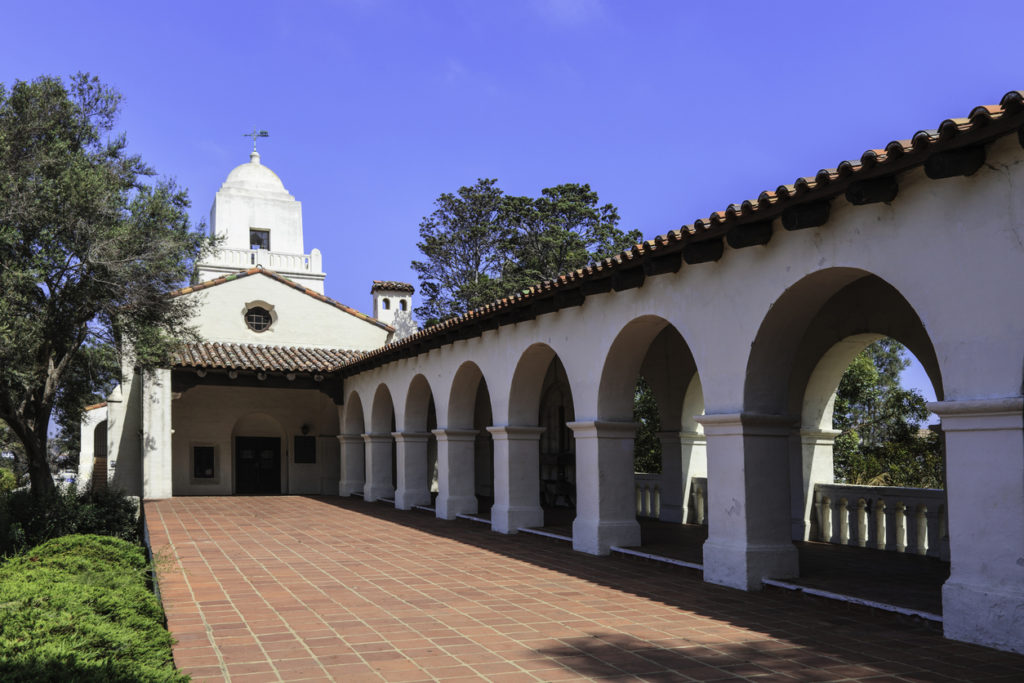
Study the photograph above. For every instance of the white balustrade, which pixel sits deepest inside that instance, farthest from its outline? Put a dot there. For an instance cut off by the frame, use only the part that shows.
(648, 494)
(698, 508)
(248, 258)
(903, 520)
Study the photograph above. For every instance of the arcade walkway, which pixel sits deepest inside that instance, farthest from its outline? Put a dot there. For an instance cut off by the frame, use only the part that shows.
(303, 588)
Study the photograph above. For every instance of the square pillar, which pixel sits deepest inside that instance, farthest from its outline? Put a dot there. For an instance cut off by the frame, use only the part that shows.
(378, 467)
(694, 458)
(156, 434)
(983, 599)
(816, 466)
(605, 489)
(413, 485)
(456, 482)
(516, 478)
(672, 477)
(353, 464)
(748, 500)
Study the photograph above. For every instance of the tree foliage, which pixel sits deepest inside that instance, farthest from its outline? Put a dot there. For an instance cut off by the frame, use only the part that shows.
(646, 444)
(881, 441)
(90, 243)
(481, 244)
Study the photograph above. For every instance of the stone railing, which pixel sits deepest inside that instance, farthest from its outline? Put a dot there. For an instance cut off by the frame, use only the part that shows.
(902, 520)
(648, 494)
(247, 258)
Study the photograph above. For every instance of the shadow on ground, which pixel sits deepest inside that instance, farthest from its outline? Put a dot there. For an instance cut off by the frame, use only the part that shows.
(833, 640)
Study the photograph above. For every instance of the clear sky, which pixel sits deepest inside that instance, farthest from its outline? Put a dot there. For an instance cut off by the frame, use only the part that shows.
(670, 110)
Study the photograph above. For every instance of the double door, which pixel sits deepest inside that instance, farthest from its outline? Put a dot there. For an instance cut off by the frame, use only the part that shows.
(257, 465)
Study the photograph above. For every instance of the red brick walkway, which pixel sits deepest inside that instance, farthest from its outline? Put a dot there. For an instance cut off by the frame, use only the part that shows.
(296, 588)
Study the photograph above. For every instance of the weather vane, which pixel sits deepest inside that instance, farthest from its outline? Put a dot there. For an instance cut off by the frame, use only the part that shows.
(256, 133)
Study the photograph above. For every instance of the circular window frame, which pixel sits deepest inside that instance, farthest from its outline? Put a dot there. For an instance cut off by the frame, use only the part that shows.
(263, 306)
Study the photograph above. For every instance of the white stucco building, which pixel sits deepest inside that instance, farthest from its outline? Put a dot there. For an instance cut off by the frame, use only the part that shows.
(743, 323)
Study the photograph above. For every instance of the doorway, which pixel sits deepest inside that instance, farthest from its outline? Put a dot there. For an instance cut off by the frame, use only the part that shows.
(257, 465)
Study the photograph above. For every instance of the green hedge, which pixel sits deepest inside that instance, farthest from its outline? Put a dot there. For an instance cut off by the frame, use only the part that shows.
(79, 608)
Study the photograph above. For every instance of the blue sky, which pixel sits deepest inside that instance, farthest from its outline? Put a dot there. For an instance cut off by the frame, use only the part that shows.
(670, 110)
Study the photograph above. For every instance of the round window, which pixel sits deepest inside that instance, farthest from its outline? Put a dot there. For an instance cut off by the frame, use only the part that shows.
(257, 318)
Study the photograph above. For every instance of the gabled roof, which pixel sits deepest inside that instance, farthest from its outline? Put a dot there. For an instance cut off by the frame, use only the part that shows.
(231, 356)
(283, 280)
(956, 147)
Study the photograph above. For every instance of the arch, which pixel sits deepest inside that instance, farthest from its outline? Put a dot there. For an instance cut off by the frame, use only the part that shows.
(382, 412)
(813, 315)
(527, 384)
(463, 396)
(354, 421)
(418, 403)
(820, 394)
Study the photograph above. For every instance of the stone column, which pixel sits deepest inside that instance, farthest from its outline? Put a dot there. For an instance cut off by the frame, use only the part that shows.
(516, 478)
(983, 599)
(672, 478)
(413, 485)
(378, 467)
(694, 449)
(816, 466)
(456, 483)
(353, 464)
(156, 434)
(748, 500)
(605, 491)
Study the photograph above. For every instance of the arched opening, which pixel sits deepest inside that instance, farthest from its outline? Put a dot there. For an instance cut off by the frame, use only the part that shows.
(806, 343)
(557, 447)
(417, 448)
(649, 385)
(353, 450)
(259, 468)
(99, 450)
(381, 453)
(465, 451)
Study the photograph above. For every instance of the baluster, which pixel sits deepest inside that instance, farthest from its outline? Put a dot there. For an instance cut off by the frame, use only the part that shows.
(862, 523)
(647, 500)
(698, 499)
(844, 522)
(880, 526)
(921, 519)
(825, 519)
(656, 512)
(899, 527)
(639, 500)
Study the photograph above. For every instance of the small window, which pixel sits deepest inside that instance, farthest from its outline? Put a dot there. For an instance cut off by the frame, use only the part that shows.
(403, 305)
(203, 462)
(305, 450)
(257, 318)
(259, 239)
(387, 303)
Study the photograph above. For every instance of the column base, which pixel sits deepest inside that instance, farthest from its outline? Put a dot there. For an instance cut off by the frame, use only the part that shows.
(407, 500)
(347, 488)
(449, 507)
(372, 493)
(980, 615)
(745, 566)
(597, 538)
(509, 519)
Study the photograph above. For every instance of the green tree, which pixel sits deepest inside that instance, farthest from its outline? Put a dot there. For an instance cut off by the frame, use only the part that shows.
(90, 243)
(880, 440)
(464, 247)
(480, 244)
(646, 444)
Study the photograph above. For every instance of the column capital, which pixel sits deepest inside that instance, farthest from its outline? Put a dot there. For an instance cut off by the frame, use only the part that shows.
(455, 434)
(515, 433)
(987, 414)
(602, 429)
(822, 437)
(745, 424)
(377, 438)
(411, 437)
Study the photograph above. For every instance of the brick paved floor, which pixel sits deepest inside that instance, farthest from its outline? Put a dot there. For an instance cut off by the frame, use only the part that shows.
(302, 588)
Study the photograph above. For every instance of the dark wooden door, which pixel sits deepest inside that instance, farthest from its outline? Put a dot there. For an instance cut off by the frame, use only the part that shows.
(257, 465)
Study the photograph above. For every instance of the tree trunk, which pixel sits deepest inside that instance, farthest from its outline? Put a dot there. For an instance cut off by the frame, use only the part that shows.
(38, 467)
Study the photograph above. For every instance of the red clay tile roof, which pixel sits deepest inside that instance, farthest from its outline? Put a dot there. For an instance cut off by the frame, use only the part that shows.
(231, 356)
(392, 285)
(982, 125)
(280, 278)
(94, 406)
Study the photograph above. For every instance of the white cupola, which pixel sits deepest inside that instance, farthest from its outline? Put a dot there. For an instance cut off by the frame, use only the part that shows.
(260, 224)
(392, 305)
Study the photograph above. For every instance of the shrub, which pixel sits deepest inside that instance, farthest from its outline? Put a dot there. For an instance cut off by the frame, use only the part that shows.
(31, 520)
(8, 482)
(79, 608)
